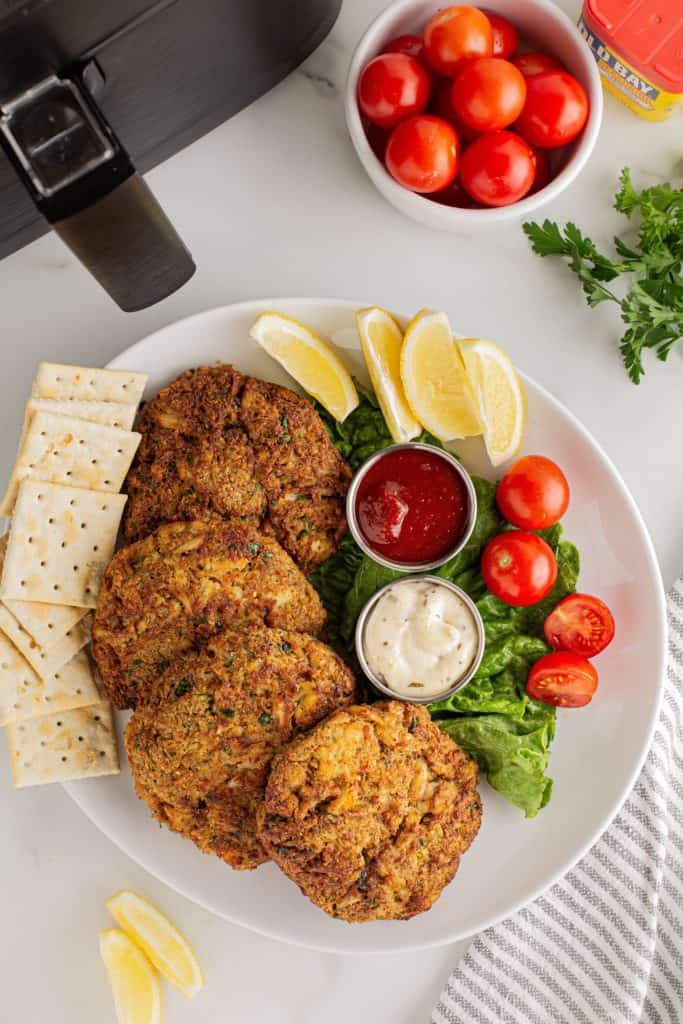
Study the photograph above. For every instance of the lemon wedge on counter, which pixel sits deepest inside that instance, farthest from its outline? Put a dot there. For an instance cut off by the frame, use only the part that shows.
(168, 950)
(381, 339)
(309, 360)
(134, 982)
(499, 395)
(434, 378)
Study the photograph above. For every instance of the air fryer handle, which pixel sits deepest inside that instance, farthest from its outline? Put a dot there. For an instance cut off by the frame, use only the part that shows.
(82, 180)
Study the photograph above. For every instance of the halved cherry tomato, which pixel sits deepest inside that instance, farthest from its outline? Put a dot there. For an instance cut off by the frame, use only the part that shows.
(505, 38)
(392, 87)
(562, 679)
(456, 35)
(410, 44)
(534, 63)
(555, 111)
(497, 168)
(542, 173)
(488, 94)
(519, 568)
(580, 623)
(422, 153)
(534, 493)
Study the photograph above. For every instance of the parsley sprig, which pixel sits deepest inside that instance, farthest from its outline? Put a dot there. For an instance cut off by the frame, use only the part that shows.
(652, 308)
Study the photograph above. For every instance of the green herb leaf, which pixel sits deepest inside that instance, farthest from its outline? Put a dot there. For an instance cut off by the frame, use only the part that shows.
(652, 308)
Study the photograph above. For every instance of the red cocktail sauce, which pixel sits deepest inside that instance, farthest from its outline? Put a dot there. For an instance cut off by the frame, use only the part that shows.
(412, 506)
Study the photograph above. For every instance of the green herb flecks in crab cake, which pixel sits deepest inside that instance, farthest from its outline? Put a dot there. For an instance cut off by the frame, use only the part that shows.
(201, 753)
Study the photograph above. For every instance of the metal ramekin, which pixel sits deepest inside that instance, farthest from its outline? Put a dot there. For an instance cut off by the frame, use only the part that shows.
(360, 640)
(410, 567)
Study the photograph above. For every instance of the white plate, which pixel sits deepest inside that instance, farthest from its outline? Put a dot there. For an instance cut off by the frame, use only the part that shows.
(596, 755)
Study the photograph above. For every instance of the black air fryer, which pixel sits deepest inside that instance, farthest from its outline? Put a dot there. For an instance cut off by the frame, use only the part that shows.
(92, 92)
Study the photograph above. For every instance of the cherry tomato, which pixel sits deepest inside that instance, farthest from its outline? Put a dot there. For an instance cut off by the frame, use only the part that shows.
(519, 568)
(423, 153)
(412, 45)
(488, 94)
(377, 137)
(555, 111)
(533, 494)
(497, 169)
(443, 107)
(534, 63)
(580, 623)
(454, 195)
(392, 86)
(455, 35)
(542, 173)
(505, 38)
(562, 679)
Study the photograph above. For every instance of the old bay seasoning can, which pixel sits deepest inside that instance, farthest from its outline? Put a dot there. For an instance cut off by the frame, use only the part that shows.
(638, 46)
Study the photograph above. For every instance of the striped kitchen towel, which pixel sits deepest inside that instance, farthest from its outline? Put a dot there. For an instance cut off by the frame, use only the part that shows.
(604, 945)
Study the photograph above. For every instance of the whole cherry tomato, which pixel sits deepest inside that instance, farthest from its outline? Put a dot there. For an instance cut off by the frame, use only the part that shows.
(534, 63)
(377, 137)
(562, 679)
(454, 195)
(410, 44)
(497, 169)
(488, 94)
(442, 106)
(455, 35)
(534, 493)
(580, 623)
(542, 173)
(392, 87)
(555, 111)
(505, 38)
(519, 568)
(422, 153)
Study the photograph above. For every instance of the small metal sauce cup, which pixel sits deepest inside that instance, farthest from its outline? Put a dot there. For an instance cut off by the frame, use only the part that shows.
(360, 640)
(411, 567)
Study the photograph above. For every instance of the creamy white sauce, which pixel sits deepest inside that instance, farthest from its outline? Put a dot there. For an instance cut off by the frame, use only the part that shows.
(420, 638)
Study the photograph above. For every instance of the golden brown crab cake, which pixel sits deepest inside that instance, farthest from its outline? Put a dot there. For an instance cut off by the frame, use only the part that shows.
(183, 584)
(194, 460)
(200, 756)
(303, 475)
(370, 811)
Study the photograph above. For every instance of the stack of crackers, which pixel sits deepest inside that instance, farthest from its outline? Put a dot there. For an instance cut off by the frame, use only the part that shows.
(63, 499)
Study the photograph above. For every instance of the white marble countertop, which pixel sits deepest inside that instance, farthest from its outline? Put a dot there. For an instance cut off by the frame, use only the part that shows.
(274, 203)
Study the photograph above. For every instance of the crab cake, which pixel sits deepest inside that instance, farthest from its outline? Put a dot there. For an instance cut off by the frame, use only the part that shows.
(194, 460)
(183, 584)
(370, 811)
(216, 444)
(303, 475)
(200, 759)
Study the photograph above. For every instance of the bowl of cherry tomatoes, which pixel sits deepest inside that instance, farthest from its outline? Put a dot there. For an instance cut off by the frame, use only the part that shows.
(465, 116)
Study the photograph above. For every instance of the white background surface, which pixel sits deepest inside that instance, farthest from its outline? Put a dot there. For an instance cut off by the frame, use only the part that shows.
(275, 203)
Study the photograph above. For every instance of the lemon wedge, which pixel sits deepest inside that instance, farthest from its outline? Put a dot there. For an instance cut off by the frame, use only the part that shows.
(168, 950)
(381, 339)
(134, 982)
(499, 395)
(309, 360)
(434, 378)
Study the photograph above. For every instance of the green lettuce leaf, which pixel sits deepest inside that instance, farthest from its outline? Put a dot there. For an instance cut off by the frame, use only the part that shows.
(364, 431)
(513, 752)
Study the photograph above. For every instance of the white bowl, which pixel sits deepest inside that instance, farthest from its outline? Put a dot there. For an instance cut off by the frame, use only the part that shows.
(540, 23)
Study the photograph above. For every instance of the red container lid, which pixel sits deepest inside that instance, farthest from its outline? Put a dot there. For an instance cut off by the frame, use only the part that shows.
(646, 33)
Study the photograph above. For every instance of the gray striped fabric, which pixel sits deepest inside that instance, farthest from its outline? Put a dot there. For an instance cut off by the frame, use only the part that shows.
(604, 945)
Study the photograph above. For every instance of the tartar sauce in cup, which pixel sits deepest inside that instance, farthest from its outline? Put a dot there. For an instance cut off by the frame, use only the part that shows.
(420, 638)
